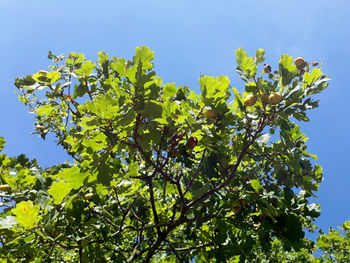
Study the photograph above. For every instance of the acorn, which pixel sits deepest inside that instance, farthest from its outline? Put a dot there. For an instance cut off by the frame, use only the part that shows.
(4, 187)
(264, 98)
(192, 142)
(211, 114)
(42, 72)
(40, 127)
(300, 63)
(275, 98)
(88, 196)
(267, 68)
(250, 100)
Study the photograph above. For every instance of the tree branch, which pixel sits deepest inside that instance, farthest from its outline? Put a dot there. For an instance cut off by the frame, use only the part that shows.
(261, 125)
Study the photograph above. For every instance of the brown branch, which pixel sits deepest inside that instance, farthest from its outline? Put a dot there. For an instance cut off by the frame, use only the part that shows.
(154, 210)
(261, 125)
(144, 154)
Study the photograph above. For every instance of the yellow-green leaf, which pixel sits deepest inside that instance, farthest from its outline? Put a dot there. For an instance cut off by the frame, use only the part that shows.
(86, 69)
(53, 76)
(59, 190)
(246, 63)
(256, 185)
(27, 214)
(73, 176)
(145, 56)
(309, 78)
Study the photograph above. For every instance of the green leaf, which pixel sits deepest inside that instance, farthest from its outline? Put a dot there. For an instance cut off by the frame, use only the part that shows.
(238, 99)
(259, 55)
(41, 76)
(104, 173)
(213, 89)
(169, 91)
(53, 76)
(263, 139)
(199, 189)
(45, 110)
(235, 259)
(73, 176)
(251, 88)
(286, 62)
(246, 63)
(2, 143)
(102, 57)
(161, 121)
(312, 77)
(104, 106)
(152, 110)
(43, 199)
(133, 169)
(27, 214)
(79, 90)
(287, 69)
(7, 222)
(145, 56)
(256, 185)
(75, 59)
(96, 143)
(119, 65)
(59, 190)
(127, 118)
(86, 69)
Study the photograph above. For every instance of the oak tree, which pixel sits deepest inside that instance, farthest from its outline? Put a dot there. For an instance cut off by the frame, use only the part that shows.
(161, 173)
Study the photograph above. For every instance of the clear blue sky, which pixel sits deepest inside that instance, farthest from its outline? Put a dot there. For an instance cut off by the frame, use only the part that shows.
(189, 38)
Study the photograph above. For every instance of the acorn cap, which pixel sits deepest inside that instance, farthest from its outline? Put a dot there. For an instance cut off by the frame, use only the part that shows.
(267, 68)
(300, 63)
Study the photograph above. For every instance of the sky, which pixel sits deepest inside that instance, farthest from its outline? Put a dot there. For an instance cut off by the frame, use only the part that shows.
(189, 38)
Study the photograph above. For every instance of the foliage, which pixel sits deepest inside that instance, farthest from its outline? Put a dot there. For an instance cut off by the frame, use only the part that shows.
(160, 172)
(335, 247)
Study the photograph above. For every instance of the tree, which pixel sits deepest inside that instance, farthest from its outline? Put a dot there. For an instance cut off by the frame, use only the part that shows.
(160, 172)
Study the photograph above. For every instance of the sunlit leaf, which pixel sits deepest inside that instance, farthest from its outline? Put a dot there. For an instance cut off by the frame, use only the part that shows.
(246, 63)
(27, 214)
(59, 190)
(145, 56)
(73, 176)
(86, 69)
(256, 185)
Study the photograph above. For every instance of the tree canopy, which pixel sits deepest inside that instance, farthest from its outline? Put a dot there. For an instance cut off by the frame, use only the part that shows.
(161, 173)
